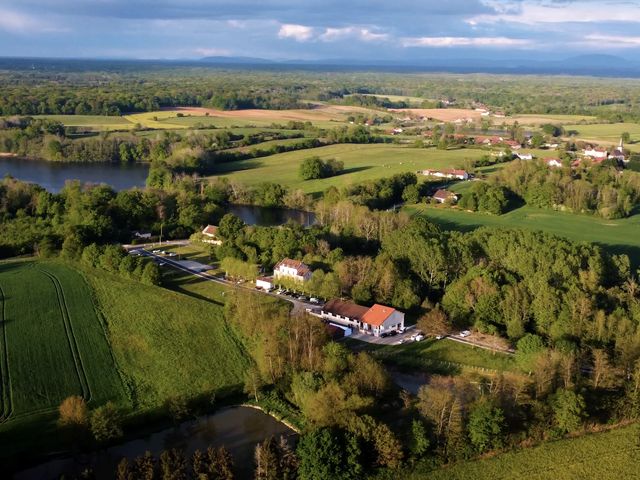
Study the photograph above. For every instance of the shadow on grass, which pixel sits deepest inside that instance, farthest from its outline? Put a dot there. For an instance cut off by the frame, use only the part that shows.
(353, 170)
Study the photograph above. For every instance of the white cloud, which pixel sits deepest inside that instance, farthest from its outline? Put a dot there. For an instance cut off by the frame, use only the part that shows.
(464, 42)
(301, 33)
(16, 22)
(334, 34)
(535, 12)
(213, 52)
(611, 41)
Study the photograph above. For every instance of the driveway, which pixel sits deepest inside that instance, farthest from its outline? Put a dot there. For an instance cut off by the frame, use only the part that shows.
(394, 340)
(192, 268)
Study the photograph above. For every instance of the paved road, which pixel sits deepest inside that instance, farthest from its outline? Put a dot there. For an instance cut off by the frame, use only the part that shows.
(298, 305)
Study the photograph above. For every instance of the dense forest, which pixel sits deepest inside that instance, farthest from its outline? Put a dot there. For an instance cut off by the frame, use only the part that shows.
(110, 91)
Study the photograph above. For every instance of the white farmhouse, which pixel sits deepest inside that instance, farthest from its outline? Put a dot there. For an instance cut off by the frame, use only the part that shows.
(292, 270)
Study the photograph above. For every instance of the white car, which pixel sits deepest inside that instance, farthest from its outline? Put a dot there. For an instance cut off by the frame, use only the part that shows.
(156, 251)
(439, 337)
(418, 338)
(465, 333)
(314, 300)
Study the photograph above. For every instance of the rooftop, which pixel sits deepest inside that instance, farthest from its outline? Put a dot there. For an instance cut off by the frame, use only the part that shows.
(377, 314)
(345, 309)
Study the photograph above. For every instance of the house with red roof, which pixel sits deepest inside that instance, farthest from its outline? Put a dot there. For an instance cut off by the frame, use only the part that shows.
(596, 153)
(291, 270)
(442, 196)
(210, 233)
(380, 319)
(375, 320)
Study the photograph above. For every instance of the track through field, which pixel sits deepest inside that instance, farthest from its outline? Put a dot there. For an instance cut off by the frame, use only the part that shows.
(5, 378)
(73, 343)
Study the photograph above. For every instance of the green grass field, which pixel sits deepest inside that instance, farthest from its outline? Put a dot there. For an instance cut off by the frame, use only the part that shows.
(438, 356)
(608, 455)
(535, 119)
(361, 162)
(53, 342)
(166, 343)
(617, 236)
(96, 122)
(608, 132)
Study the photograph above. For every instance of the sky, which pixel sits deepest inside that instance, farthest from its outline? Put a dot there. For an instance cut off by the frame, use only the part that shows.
(319, 29)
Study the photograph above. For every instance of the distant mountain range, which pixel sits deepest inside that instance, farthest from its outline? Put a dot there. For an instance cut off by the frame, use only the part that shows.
(597, 65)
(592, 65)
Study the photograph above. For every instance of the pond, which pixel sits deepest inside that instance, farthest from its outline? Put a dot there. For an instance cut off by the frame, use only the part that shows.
(269, 217)
(239, 429)
(53, 175)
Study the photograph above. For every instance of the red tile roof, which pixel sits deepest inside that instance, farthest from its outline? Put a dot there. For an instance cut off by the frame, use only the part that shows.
(377, 314)
(300, 267)
(210, 230)
(443, 194)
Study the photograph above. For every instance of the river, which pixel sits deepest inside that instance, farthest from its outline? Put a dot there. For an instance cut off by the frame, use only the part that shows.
(239, 429)
(269, 217)
(53, 175)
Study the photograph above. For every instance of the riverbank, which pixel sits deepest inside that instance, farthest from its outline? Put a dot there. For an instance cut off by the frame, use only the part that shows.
(238, 428)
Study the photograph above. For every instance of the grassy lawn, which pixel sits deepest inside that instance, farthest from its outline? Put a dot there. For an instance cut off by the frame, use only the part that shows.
(166, 343)
(361, 162)
(607, 455)
(617, 236)
(437, 356)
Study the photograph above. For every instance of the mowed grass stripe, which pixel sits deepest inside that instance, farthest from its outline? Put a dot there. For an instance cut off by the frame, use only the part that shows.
(42, 369)
(94, 351)
(5, 383)
(73, 345)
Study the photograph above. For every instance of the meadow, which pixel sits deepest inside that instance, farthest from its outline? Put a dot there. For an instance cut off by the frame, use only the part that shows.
(445, 357)
(95, 122)
(617, 236)
(537, 119)
(70, 331)
(607, 455)
(361, 162)
(608, 133)
(53, 342)
(168, 344)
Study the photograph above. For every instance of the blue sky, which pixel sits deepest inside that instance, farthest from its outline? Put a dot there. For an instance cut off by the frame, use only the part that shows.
(318, 29)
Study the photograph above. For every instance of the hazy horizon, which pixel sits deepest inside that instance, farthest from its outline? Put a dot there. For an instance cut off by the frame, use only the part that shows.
(282, 30)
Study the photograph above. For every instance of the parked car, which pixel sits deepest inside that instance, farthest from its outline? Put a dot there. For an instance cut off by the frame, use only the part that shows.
(384, 334)
(418, 338)
(465, 333)
(393, 333)
(439, 337)
(155, 251)
(314, 300)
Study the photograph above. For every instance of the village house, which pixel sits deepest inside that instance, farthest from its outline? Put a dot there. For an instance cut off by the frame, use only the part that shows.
(618, 153)
(446, 173)
(489, 141)
(211, 234)
(442, 196)
(292, 270)
(512, 144)
(596, 152)
(553, 162)
(375, 320)
(524, 156)
(264, 283)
